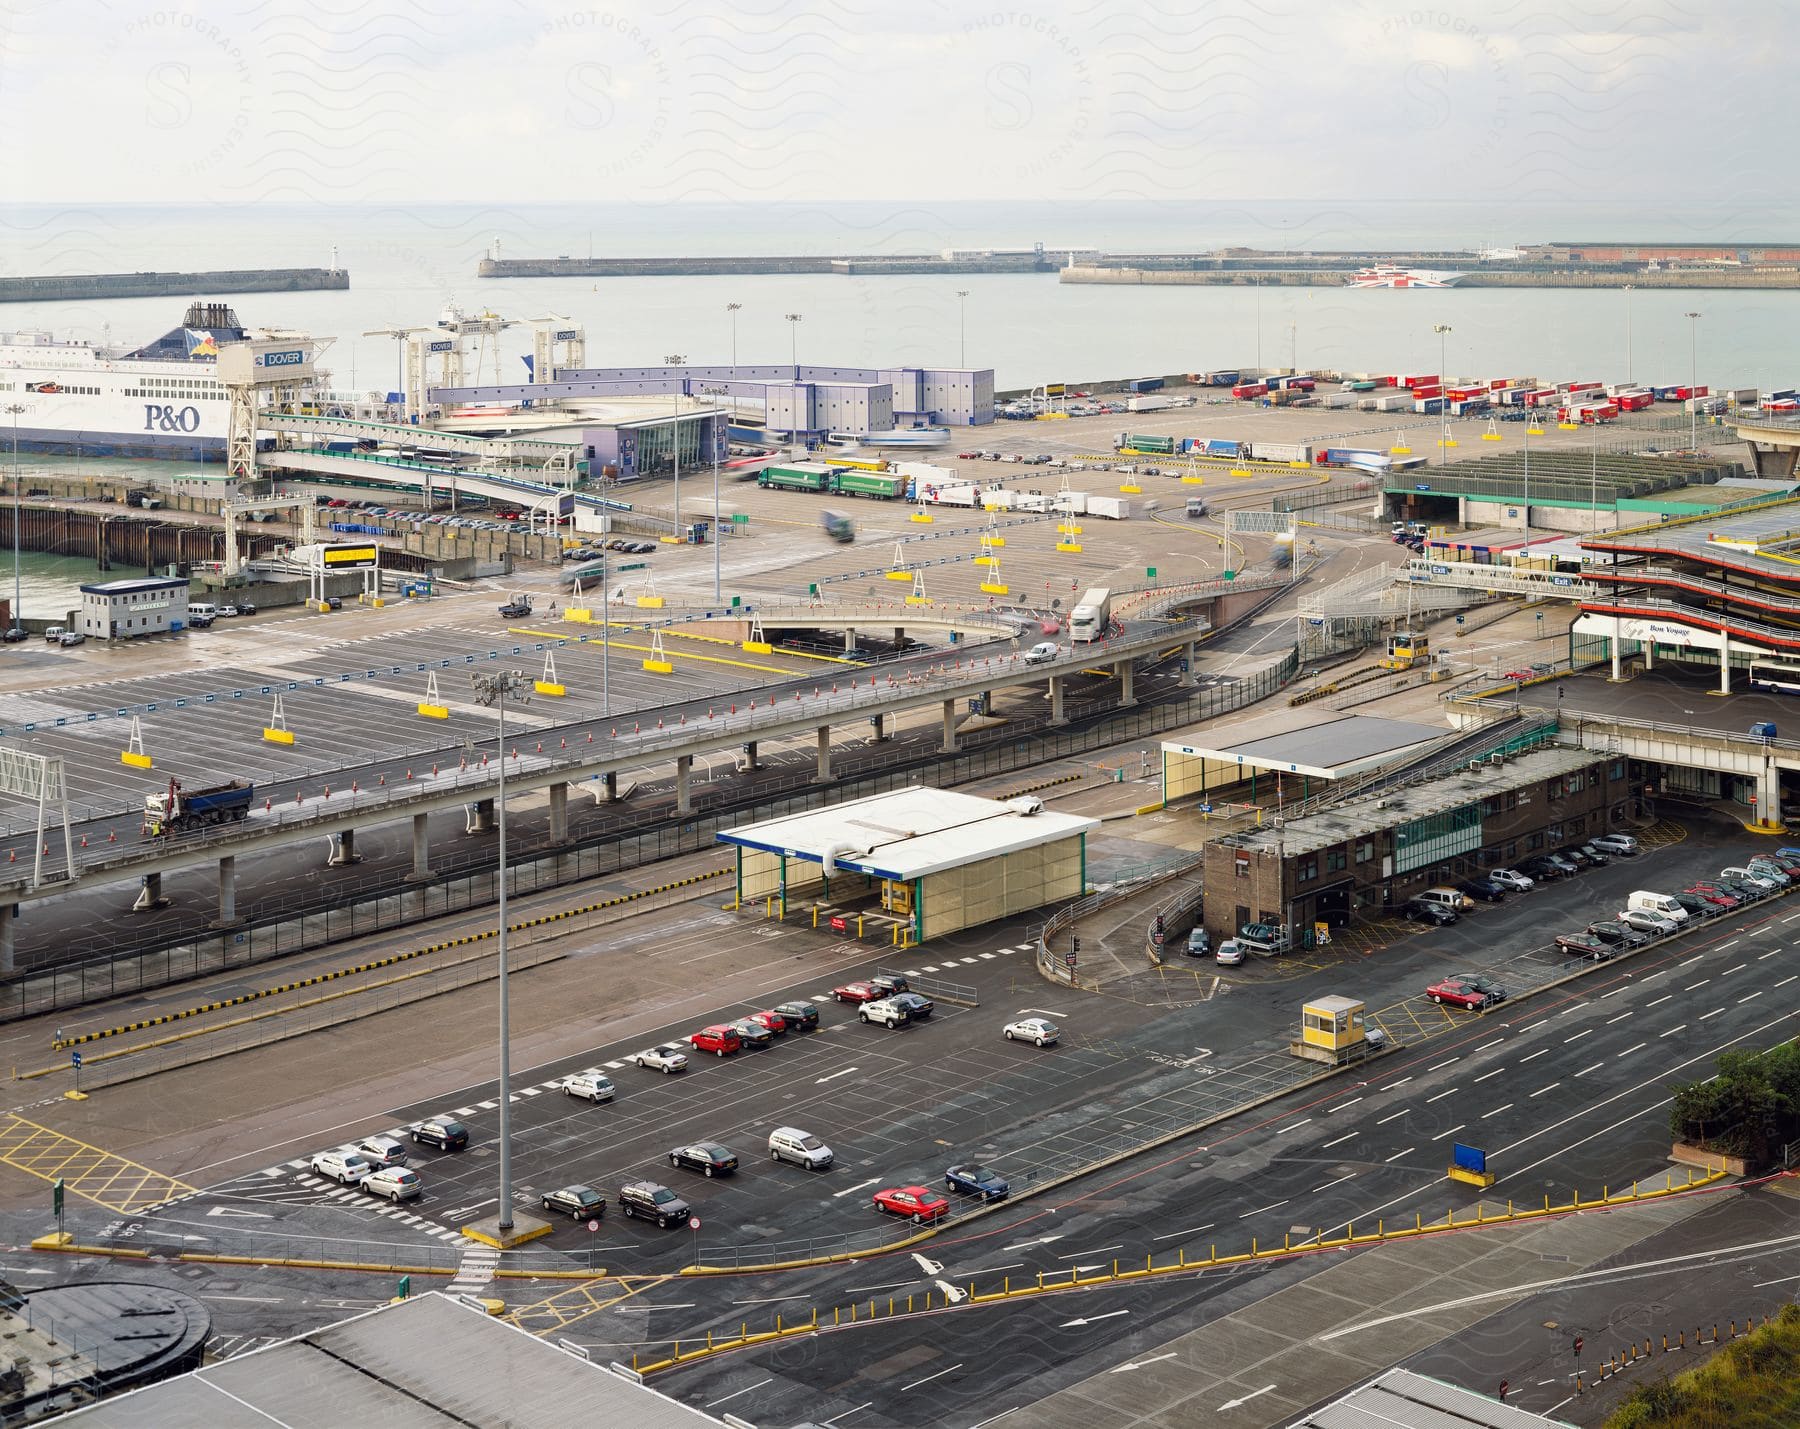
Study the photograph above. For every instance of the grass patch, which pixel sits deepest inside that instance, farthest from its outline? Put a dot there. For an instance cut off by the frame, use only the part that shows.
(1752, 1383)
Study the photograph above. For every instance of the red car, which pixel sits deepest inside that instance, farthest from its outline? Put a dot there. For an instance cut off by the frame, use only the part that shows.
(1716, 896)
(858, 992)
(774, 1021)
(915, 1201)
(721, 1039)
(1460, 992)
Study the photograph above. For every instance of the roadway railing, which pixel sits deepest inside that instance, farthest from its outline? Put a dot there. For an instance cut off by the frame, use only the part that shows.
(1588, 718)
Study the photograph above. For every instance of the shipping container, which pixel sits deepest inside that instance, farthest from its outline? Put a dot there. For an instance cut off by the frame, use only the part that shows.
(1141, 442)
(1222, 379)
(1472, 407)
(1144, 384)
(1429, 406)
(1340, 400)
(1743, 396)
(1280, 451)
(1634, 401)
(954, 496)
(1361, 385)
(1150, 404)
(1250, 389)
(1113, 508)
(1219, 446)
(809, 476)
(1666, 394)
(881, 485)
(1415, 381)
(1394, 402)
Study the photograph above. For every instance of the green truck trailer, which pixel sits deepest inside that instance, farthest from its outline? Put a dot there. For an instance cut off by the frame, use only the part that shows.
(882, 485)
(808, 477)
(1150, 446)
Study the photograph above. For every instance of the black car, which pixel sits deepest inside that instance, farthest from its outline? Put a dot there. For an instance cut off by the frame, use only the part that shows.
(976, 1181)
(1598, 857)
(14, 634)
(580, 1203)
(195, 622)
(916, 1007)
(1574, 856)
(1566, 864)
(1481, 888)
(753, 1034)
(1495, 992)
(1610, 930)
(1545, 871)
(1586, 945)
(801, 1016)
(246, 608)
(707, 1157)
(1698, 907)
(1420, 911)
(652, 1202)
(889, 984)
(443, 1133)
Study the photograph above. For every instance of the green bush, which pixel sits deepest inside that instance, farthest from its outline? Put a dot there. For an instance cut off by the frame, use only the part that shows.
(1750, 1109)
(1753, 1383)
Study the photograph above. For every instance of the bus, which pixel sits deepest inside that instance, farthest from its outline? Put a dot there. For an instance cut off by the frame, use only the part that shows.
(1781, 679)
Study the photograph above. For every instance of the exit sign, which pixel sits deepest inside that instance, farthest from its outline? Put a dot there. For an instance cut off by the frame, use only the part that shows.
(1150, 572)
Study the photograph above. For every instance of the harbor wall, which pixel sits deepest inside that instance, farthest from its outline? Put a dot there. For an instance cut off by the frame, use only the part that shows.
(76, 287)
(854, 266)
(1741, 278)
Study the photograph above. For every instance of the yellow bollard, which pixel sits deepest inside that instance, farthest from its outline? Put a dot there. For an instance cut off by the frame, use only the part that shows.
(678, 1349)
(834, 1314)
(1253, 1245)
(1578, 1388)
(859, 925)
(815, 1317)
(852, 1312)
(709, 1339)
(1115, 1270)
(1146, 1264)
(1665, 1344)
(1180, 1258)
(778, 1324)
(1286, 1239)
(1040, 1280)
(815, 915)
(909, 1304)
(744, 1330)
(1005, 1289)
(890, 1304)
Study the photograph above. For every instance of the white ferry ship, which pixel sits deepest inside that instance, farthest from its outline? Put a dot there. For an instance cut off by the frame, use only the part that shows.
(1389, 275)
(160, 400)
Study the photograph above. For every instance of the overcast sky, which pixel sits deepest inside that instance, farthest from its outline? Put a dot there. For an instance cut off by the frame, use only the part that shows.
(519, 100)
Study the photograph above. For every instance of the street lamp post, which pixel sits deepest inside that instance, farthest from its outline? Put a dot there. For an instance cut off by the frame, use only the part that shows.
(1693, 383)
(1528, 425)
(496, 690)
(713, 394)
(1630, 366)
(962, 326)
(794, 320)
(1256, 280)
(13, 409)
(676, 359)
(732, 309)
(1443, 331)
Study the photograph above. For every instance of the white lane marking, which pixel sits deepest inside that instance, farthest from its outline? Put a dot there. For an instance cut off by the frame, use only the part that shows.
(1440, 1096)
(769, 1300)
(1294, 1125)
(1240, 1403)
(1097, 1250)
(928, 1378)
(1732, 944)
(1451, 1132)
(1340, 1141)
(990, 955)
(851, 1190)
(1743, 1000)
(1541, 1052)
(1089, 1319)
(1764, 957)
(930, 1267)
(1192, 1230)
(1578, 1036)
(1023, 1244)
(1398, 1154)
(1485, 1075)
(1693, 985)
(1386, 1119)
(1620, 1018)
(1445, 1063)
(1534, 1026)
(1541, 1090)
(1496, 1111)
(1596, 1067)
(1714, 1013)
(1786, 980)
(1247, 1214)
(1485, 1045)
(1634, 1047)
(1354, 1100)
(1659, 1001)
(1696, 958)
(900, 1285)
(1349, 1175)
(1738, 969)
(1679, 1027)
(1784, 1279)
(1393, 1085)
(736, 1392)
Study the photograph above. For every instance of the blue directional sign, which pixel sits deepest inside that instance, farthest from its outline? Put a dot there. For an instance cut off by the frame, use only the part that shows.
(1467, 1158)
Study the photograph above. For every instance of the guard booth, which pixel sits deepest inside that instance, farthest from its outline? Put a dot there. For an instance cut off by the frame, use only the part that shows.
(1332, 1031)
(1406, 648)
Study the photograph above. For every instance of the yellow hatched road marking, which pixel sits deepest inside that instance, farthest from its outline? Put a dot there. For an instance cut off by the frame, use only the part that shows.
(564, 1308)
(115, 1182)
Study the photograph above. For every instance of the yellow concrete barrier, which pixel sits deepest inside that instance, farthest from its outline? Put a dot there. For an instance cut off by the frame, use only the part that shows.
(136, 761)
(279, 736)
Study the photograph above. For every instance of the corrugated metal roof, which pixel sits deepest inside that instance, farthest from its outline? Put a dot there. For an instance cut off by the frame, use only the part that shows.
(1329, 749)
(908, 833)
(427, 1363)
(1400, 1399)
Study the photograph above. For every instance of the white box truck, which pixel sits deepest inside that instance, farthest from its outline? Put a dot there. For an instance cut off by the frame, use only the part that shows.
(1150, 404)
(1113, 508)
(1092, 616)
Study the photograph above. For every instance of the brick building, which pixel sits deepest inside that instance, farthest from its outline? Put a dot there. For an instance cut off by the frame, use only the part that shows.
(1373, 853)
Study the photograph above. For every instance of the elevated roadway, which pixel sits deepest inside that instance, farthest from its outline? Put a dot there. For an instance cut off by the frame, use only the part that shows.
(508, 449)
(1774, 444)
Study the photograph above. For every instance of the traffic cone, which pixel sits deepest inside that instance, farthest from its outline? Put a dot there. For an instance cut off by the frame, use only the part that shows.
(353, 787)
(112, 836)
(84, 840)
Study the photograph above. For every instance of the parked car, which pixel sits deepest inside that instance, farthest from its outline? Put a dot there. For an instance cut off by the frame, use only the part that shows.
(516, 609)
(1032, 1029)
(1544, 870)
(974, 1180)
(1585, 945)
(751, 1033)
(1764, 867)
(1619, 934)
(770, 1021)
(1698, 907)
(1199, 943)
(382, 1150)
(1755, 877)
(790, 1143)
(888, 984)
(1512, 880)
(71, 637)
(707, 1157)
(1231, 953)
(1573, 856)
(592, 1085)
(1483, 888)
(885, 1010)
(1417, 910)
(228, 612)
(721, 1039)
(578, 1203)
(667, 1057)
(195, 622)
(1461, 992)
(1622, 844)
(916, 1005)
(347, 1168)
(397, 1183)
(1716, 894)
(915, 1201)
(800, 1016)
(856, 992)
(1564, 862)
(652, 1202)
(1598, 857)
(442, 1132)
(1647, 922)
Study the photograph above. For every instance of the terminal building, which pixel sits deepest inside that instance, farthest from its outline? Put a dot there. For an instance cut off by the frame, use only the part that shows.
(128, 609)
(929, 861)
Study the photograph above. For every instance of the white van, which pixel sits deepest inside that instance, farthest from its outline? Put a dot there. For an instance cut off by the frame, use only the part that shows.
(1453, 899)
(201, 608)
(789, 1143)
(1661, 904)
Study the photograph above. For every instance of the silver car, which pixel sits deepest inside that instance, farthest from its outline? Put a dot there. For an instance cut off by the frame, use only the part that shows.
(1647, 922)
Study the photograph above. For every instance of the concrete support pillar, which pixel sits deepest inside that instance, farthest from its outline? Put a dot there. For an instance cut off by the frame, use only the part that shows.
(150, 896)
(750, 756)
(1768, 796)
(1127, 692)
(1189, 676)
(421, 869)
(610, 781)
(1724, 663)
(1056, 701)
(1618, 658)
(9, 915)
(950, 727)
(559, 813)
(824, 773)
(227, 892)
(684, 769)
(899, 637)
(880, 724)
(343, 850)
(1649, 654)
(480, 817)
(849, 639)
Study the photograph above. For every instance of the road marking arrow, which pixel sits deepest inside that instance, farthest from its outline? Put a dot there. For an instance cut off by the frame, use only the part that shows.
(1239, 1403)
(1139, 1364)
(232, 1211)
(1088, 1320)
(930, 1267)
(832, 1077)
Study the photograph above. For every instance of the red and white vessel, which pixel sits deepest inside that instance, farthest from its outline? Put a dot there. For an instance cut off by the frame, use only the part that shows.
(1389, 275)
